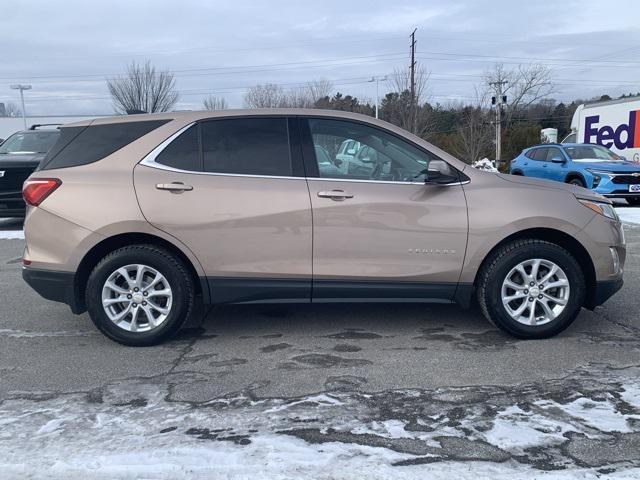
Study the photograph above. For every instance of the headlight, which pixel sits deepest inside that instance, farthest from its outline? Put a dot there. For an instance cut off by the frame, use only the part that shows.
(599, 173)
(605, 209)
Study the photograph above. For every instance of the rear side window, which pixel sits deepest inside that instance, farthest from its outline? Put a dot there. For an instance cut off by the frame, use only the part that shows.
(247, 146)
(83, 145)
(182, 153)
(540, 154)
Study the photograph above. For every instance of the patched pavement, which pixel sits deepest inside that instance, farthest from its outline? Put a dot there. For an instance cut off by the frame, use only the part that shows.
(386, 391)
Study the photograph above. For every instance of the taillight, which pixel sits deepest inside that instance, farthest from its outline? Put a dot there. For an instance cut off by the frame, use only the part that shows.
(35, 190)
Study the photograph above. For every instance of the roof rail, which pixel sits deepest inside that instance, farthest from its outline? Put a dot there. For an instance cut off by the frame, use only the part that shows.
(38, 125)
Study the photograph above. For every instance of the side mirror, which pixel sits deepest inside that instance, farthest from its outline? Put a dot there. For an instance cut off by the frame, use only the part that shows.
(558, 159)
(438, 178)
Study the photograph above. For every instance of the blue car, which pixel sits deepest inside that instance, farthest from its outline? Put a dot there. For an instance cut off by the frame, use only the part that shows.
(586, 165)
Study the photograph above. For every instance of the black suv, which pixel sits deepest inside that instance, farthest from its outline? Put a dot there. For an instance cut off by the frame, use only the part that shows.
(20, 155)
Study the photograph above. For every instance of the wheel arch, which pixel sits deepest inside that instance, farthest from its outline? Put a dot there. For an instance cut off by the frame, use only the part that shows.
(561, 239)
(517, 172)
(572, 175)
(109, 244)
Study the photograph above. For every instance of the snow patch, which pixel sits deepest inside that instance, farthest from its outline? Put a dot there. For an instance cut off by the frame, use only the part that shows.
(485, 164)
(629, 215)
(11, 235)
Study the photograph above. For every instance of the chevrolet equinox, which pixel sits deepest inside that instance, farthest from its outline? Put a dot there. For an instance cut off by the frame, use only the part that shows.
(135, 218)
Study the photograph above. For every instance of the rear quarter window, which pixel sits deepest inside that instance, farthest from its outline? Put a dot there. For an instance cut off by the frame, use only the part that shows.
(83, 145)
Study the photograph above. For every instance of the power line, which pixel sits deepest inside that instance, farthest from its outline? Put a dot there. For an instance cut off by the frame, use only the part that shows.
(460, 57)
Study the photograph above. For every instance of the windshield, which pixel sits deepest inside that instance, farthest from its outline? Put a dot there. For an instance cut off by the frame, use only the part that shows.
(29, 142)
(591, 152)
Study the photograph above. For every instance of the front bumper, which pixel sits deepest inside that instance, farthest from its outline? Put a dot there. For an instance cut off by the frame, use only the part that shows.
(53, 285)
(621, 195)
(603, 291)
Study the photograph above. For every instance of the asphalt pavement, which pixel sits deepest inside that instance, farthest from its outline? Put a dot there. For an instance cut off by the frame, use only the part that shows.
(401, 390)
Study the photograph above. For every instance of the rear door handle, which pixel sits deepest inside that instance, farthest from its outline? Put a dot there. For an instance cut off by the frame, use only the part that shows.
(335, 195)
(176, 187)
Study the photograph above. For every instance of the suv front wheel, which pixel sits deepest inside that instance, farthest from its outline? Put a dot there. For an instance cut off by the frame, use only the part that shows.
(139, 295)
(531, 288)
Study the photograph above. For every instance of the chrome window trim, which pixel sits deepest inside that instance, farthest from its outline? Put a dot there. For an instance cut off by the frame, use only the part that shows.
(150, 161)
(354, 180)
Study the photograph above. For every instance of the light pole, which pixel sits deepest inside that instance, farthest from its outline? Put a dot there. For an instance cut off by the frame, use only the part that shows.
(377, 80)
(22, 88)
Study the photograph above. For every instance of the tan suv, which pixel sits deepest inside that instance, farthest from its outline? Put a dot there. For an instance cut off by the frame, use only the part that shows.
(135, 218)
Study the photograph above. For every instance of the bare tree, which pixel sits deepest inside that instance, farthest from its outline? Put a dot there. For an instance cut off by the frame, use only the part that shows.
(215, 103)
(298, 98)
(525, 85)
(143, 89)
(417, 120)
(317, 89)
(475, 134)
(10, 109)
(269, 95)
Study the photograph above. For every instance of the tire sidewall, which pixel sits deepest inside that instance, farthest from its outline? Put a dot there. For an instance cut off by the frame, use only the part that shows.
(503, 266)
(578, 182)
(160, 261)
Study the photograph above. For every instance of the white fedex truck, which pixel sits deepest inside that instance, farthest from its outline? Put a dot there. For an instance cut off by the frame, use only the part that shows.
(614, 124)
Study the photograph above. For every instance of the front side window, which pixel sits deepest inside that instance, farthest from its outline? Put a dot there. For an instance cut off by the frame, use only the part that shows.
(552, 153)
(247, 146)
(359, 152)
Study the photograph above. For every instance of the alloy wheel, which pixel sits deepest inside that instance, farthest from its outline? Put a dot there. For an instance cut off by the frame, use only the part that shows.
(137, 298)
(535, 292)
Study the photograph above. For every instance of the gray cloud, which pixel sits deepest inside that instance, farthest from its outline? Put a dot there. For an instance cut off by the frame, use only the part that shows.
(67, 49)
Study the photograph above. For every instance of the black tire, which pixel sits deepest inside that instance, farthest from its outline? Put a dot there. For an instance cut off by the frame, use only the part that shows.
(635, 201)
(172, 268)
(577, 181)
(499, 264)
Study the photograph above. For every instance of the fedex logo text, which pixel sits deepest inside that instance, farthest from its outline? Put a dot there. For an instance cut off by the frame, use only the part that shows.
(624, 136)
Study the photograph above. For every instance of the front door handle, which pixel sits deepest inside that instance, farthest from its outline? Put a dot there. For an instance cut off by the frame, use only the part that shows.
(335, 195)
(175, 187)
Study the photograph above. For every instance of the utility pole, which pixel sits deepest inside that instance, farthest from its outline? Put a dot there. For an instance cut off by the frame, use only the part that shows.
(498, 101)
(412, 68)
(377, 80)
(22, 88)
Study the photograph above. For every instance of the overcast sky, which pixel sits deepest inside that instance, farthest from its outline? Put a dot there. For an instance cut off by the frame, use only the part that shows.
(67, 48)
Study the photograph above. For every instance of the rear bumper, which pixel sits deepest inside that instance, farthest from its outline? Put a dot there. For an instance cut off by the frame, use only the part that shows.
(603, 291)
(53, 285)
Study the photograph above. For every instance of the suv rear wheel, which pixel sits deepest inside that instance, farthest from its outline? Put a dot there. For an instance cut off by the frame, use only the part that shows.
(139, 295)
(531, 288)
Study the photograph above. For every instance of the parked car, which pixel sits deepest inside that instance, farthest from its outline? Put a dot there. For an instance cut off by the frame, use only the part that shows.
(20, 155)
(138, 218)
(584, 165)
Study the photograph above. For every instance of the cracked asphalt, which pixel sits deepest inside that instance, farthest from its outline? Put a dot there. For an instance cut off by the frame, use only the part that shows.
(326, 375)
